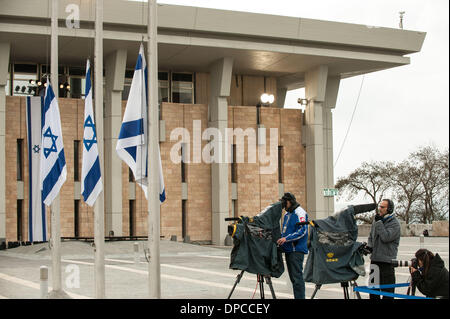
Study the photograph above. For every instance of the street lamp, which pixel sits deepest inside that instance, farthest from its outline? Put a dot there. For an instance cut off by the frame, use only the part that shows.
(303, 103)
(267, 98)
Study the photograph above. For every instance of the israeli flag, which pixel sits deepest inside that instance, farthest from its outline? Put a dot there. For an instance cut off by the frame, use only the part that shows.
(132, 143)
(53, 162)
(91, 179)
(37, 225)
(162, 188)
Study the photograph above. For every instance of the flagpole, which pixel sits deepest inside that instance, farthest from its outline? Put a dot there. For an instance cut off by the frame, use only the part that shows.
(55, 206)
(154, 271)
(99, 212)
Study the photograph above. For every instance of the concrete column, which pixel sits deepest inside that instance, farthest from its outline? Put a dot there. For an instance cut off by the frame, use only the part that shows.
(220, 77)
(4, 62)
(115, 65)
(315, 86)
(281, 96)
(328, 168)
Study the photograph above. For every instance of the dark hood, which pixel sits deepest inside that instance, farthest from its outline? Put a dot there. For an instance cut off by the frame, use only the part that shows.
(293, 207)
(437, 262)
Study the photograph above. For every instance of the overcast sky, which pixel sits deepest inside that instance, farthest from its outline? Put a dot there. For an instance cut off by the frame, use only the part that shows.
(399, 109)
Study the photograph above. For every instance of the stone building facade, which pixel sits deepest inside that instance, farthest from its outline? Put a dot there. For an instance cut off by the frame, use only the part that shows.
(214, 66)
(187, 209)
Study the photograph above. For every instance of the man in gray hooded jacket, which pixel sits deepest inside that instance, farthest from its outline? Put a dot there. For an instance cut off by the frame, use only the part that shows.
(384, 239)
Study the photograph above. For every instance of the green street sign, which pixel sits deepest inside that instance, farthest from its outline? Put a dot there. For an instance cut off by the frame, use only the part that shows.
(330, 192)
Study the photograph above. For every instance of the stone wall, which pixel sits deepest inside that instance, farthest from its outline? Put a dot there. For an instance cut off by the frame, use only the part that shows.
(437, 229)
(254, 191)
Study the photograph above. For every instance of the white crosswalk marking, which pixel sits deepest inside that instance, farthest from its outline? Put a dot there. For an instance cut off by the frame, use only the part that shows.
(34, 285)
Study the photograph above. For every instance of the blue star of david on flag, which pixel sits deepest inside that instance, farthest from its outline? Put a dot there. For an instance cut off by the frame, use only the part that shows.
(88, 143)
(36, 148)
(47, 151)
(91, 177)
(53, 169)
(131, 145)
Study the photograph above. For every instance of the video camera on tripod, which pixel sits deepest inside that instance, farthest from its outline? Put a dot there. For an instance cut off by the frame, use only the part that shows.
(334, 254)
(254, 246)
(254, 242)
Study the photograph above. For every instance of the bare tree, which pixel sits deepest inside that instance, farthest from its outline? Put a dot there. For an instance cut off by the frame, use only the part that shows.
(371, 180)
(434, 172)
(405, 179)
(418, 185)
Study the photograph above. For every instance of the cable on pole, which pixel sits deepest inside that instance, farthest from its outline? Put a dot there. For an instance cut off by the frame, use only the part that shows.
(350, 124)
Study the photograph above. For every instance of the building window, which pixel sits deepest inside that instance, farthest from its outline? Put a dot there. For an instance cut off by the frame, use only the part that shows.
(76, 160)
(8, 82)
(20, 220)
(20, 159)
(183, 163)
(183, 219)
(163, 87)
(280, 165)
(130, 175)
(132, 217)
(182, 88)
(25, 79)
(127, 84)
(233, 165)
(126, 90)
(45, 70)
(77, 87)
(234, 208)
(76, 218)
(258, 114)
(173, 87)
(62, 85)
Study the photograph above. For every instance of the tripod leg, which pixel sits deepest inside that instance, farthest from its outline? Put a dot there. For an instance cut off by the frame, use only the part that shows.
(261, 285)
(315, 290)
(354, 284)
(269, 282)
(344, 286)
(238, 279)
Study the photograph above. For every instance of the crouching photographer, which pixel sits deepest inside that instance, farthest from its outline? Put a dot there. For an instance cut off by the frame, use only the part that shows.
(429, 274)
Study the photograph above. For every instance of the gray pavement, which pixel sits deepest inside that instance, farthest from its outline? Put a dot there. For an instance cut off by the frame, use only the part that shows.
(188, 271)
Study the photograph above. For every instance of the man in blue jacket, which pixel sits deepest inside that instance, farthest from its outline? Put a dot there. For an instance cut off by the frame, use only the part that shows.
(294, 242)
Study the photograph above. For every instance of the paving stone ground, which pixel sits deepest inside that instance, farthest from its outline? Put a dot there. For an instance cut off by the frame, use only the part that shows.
(188, 271)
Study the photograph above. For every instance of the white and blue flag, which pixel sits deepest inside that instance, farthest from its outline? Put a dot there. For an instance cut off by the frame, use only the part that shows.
(132, 143)
(53, 162)
(37, 225)
(91, 179)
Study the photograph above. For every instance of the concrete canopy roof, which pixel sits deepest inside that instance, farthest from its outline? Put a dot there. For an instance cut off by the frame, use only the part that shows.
(190, 39)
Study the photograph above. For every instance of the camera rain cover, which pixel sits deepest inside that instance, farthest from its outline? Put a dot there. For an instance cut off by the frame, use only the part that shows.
(334, 254)
(254, 243)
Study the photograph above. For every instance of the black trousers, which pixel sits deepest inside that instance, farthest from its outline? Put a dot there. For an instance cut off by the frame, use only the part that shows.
(386, 277)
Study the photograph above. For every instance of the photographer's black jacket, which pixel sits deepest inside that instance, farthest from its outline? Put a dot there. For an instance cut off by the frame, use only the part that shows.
(436, 282)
